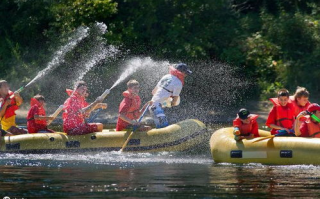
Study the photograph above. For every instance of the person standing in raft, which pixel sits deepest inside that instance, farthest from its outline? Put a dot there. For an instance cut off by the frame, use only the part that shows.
(300, 100)
(75, 112)
(245, 125)
(129, 112)
(10, 102)
(281, 116)
(168, 88)
(37, 119)
(311, 126)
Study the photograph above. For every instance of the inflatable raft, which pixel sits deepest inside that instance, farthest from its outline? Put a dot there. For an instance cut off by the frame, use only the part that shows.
(277, 150)
(181, 136)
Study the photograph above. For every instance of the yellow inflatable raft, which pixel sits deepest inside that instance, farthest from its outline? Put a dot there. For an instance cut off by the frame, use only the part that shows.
(277, 150)
(177, 137)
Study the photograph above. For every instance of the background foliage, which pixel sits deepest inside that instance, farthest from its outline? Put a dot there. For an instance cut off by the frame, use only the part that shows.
(273, 43)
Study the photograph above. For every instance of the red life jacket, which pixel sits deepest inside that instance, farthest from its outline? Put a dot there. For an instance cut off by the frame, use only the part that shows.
(84, 102)
(180, 75)
(313, 128)
(72, 117)
(10, 111)
(285, 114)
(245, 129)
(36, 109)
(297, 108)
(133, 112)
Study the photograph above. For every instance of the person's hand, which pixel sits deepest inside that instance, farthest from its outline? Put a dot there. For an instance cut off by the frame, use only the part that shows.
(150, 103)
(103, 105)
(301, 114)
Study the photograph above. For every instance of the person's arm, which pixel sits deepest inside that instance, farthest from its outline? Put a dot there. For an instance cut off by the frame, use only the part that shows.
(128, 120)
(102, 106)
(255, 129)
(91, 107)
(272, 120)
(40, 117)
(297, 123)
(144, 107)
(175, 101)
(4, 107)
(155, 90)
(18, 98)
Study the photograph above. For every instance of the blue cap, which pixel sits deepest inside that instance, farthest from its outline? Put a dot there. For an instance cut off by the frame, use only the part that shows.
(183, 68)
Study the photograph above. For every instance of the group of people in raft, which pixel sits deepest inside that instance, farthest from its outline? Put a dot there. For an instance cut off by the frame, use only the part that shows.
(76, 109)
(289, 116)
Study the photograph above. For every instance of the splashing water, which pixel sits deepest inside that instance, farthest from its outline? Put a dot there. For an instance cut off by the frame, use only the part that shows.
(135, 64)
(79, 35)
(99, 51)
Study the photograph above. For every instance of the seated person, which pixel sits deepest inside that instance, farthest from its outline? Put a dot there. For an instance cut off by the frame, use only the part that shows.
(75, 112)
(281, 116)
(37, 119)
(129, 112)
(245, 125)
(10, 102)
(311, 126)
(300, 100)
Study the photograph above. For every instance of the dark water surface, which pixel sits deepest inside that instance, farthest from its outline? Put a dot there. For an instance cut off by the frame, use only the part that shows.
(149, 175)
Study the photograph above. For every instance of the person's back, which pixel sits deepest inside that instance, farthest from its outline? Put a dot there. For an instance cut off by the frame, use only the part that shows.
(310, 127)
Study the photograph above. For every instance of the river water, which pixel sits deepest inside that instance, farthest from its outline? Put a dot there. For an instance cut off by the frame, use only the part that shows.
(149, 175)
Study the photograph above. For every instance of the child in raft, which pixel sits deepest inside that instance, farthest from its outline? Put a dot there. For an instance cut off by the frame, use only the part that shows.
(245, 125)
(310, 127)
(37, 119)
(300, 100)
(129, 109)
(281, 116)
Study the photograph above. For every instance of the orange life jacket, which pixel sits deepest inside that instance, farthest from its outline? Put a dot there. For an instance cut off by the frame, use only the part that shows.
(285, 114)
(133, 112)
(313, 128)
(42, 112)
(246, 129)
(10, 111)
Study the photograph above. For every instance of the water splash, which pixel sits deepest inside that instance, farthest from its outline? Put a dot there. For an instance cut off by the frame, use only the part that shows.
(135, 64)
(58, 57)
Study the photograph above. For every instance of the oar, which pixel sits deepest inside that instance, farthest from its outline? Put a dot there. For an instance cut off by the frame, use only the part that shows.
(55, 114)
(134, 129)
(264, 138)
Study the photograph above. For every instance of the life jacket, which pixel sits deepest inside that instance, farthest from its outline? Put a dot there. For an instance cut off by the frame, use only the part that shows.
(36, 125)
(297, 108)
(285, 114)
(245, 129)
(180, 75)
(133, 112)
(72, 117)
(313, 127)
(11, 108)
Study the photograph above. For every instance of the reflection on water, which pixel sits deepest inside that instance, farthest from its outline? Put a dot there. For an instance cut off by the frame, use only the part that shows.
(149, 175)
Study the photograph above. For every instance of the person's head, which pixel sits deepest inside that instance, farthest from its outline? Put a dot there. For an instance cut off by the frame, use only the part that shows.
(4, 87)
(81, 88)
(133, 86)
(314, 109)
(243, 114)
(301, 96)
(283, 97)
(40, 99)
(183, 68)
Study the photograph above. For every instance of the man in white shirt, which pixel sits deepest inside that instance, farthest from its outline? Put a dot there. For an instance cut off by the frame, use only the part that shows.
(168, 89)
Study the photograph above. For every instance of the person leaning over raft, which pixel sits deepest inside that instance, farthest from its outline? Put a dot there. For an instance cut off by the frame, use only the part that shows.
(10, 102)
(37, 119)
(245, 125)
(129, 112)
(300, 100)
(281, 116)
(75, 112)
(169, 86)
(311, 126)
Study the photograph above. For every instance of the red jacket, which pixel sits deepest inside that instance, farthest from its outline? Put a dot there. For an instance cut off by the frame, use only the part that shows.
(297, 108)
(10, 111)
(281, 115)
(72, 117)
(36, 109)
(310, 128)
(247, 129)
(129, 106)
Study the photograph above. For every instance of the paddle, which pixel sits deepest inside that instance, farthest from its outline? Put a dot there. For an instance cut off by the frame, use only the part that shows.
(134, 129)
(264, 138)
(55, 114)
